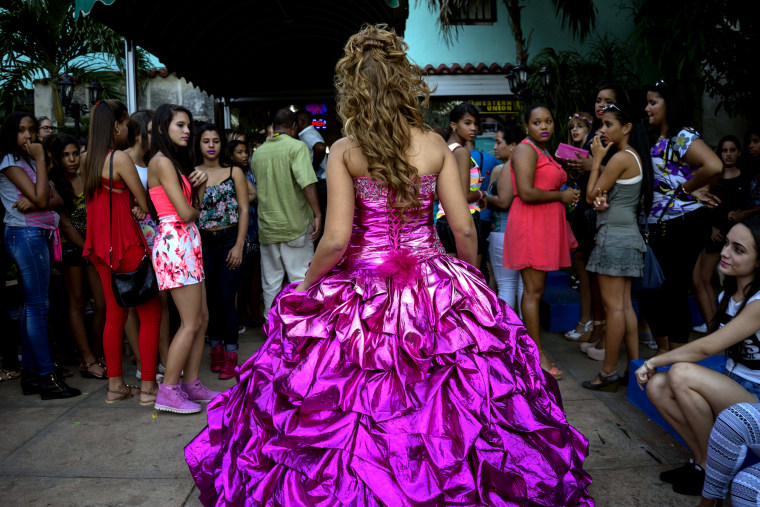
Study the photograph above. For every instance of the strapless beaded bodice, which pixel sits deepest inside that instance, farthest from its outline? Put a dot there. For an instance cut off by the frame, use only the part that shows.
(378, 230)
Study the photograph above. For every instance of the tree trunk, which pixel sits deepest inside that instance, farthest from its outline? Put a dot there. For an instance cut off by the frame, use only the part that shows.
(58, 112)
(521, 44)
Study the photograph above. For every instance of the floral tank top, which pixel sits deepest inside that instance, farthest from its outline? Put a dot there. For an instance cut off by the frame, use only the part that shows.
(220, 206)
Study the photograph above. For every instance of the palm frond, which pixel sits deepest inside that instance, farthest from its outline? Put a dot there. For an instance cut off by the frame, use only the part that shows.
(578, 15)
(41, 39)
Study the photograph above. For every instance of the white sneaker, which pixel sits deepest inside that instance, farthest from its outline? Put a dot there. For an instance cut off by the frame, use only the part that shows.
(647, 340)
(595, 354)
(702, 328)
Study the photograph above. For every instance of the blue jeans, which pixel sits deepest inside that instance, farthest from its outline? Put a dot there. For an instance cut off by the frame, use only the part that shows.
(29, 248)
(221, 287)
(751, 387)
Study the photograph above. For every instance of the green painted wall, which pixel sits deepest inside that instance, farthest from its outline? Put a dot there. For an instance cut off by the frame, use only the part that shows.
(495, 43)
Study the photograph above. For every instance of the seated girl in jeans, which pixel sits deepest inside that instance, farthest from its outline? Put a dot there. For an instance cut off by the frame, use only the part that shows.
(689, 395)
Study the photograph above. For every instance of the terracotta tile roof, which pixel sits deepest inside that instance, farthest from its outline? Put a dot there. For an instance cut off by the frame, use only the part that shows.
(163, 72)
(468, 68)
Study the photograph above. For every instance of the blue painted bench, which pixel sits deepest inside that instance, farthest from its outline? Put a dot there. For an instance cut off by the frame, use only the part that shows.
(561, 309)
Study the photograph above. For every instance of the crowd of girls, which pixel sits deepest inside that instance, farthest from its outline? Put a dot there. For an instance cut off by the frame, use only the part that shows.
(695, 206)
(184, 199)
(638, 172)
(148, 187)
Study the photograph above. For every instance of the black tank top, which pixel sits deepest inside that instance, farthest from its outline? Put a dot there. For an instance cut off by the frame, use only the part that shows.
(745, 352)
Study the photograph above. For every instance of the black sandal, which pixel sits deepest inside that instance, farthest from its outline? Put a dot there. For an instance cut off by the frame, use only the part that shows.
(608, 383)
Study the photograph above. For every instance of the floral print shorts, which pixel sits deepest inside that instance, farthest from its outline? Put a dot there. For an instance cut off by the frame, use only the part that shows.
(177, 257)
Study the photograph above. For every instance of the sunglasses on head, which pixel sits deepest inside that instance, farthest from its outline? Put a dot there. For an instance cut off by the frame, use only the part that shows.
(611, 107)
(660, 84)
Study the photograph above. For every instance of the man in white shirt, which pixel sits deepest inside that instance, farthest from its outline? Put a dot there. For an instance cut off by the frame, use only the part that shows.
(318, 149)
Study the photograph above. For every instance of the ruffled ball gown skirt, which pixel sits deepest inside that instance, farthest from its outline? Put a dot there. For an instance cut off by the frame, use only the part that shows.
(399, 379)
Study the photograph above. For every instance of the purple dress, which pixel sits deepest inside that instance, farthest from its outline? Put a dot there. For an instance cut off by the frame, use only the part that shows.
(399, 379)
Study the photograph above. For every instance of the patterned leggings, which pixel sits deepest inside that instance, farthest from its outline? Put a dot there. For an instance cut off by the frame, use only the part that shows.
(736, 429)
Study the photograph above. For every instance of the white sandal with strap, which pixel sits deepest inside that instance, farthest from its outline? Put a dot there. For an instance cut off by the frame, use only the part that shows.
(574, 336)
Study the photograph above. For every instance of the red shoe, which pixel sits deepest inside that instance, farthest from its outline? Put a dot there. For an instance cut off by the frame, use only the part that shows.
(217, 358)
(230, 363)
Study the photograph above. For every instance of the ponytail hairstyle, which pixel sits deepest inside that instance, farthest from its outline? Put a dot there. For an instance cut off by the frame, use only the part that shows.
(224, 161)
(620, 96)
(729, 284)
(181, 158)
(377, 101)
(512, 134)
(138, 130)
(57, 172)
(529, 110)
(639, 141)
(458, 113)
(231, 146)
(678, 110)
(101, 140)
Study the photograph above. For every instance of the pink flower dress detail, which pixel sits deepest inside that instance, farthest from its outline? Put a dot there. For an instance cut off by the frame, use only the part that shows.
(177, 257)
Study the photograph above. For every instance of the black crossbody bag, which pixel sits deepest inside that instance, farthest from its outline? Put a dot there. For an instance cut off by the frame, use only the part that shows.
(136, 287)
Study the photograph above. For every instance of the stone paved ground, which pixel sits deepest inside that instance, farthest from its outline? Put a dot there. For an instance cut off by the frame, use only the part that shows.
(84, 452)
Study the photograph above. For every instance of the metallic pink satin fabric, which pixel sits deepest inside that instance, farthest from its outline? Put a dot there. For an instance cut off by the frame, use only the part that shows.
(399, 379)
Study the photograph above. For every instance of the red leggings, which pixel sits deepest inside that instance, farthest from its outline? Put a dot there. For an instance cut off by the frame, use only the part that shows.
(116, 317)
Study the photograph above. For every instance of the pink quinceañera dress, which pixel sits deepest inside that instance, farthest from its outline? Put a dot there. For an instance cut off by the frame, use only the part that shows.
(399, 379)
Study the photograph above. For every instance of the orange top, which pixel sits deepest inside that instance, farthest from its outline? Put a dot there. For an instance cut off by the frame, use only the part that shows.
(164, 207)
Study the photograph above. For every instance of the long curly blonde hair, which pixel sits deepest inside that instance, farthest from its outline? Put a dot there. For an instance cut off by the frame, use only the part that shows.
(378, 89)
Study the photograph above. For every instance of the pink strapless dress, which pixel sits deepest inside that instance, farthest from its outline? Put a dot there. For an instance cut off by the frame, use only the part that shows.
(399, 379)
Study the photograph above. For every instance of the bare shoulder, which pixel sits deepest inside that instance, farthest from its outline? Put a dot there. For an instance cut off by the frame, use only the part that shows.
(343, 144)
(349, 152)
(238, 174)
(523, 149)
(120, 157)
(433, 140)
(524, 154)
(160, 164)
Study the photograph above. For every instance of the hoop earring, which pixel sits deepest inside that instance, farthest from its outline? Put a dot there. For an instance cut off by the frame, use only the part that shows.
(118, 132)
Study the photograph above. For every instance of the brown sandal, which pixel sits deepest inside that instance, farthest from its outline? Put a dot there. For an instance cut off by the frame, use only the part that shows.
(130, 392)
(86, 370)
(154, 395)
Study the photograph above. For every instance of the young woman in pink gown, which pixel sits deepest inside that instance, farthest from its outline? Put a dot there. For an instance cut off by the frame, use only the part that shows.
(392, 375)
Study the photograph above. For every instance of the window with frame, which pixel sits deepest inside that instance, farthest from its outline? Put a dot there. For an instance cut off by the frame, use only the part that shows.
(475, 12)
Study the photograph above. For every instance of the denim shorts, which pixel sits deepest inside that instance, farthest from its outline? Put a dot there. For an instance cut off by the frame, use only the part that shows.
(751, 387)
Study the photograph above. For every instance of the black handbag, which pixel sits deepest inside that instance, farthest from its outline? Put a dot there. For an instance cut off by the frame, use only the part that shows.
(136, 287)
(652, 276)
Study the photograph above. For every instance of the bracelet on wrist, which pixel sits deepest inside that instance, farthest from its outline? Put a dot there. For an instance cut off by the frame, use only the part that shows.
(649, 367)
